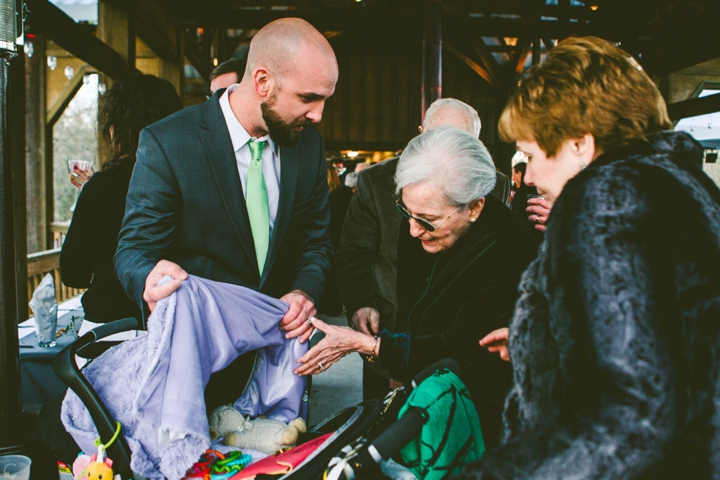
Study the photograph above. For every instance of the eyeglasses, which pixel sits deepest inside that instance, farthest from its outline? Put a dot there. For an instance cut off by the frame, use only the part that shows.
(422, 222)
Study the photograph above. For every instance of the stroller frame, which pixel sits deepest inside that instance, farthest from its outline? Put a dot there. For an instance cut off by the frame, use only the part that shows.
(348, 424)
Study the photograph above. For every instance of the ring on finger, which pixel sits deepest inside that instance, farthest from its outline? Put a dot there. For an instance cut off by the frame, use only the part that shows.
(537, 218)
(322, 369)
(309, 320)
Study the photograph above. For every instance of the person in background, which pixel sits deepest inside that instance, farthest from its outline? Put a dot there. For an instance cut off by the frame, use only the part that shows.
(615, 339)
(339, 201)
(351, 181)
(86, 259)
(227, 73)
(361, 166)
(521, 194)
(367, 257)
(479, 249)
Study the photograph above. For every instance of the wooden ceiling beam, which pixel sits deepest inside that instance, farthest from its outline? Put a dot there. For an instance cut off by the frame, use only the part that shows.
(48, 20)
(56, 110)
(154, 28)
(487, 58)
(521, 53)
(694, 107)
(487, 76)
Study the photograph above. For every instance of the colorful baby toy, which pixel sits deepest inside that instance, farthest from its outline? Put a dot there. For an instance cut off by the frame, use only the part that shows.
(214, 465)
(97, 466)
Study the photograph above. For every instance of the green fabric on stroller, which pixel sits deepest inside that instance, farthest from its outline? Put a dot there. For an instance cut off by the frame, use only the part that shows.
(452, 437)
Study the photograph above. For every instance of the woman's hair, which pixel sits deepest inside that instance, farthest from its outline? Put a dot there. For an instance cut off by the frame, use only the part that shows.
(451, 159)
(129, 106)
(586, 85)
(521, 168)
(333, 179)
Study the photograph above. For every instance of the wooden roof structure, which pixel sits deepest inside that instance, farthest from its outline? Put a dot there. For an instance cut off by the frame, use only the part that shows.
(496, 39)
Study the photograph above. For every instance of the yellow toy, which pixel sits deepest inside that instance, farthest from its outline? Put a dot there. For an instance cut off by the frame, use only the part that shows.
(98, 466)
(99, 470)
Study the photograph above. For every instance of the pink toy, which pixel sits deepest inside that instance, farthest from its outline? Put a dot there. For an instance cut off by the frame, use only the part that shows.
(79, 466)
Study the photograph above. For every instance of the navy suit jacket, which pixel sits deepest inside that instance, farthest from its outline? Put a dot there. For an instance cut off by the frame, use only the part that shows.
(185, 204)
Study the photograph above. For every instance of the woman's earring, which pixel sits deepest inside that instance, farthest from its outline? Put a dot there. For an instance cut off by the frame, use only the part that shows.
(473, 220)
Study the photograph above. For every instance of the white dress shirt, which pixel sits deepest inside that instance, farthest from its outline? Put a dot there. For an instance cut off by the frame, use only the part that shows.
(270, 156)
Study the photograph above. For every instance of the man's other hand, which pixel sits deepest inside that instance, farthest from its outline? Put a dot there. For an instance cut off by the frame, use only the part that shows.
(153, 293)
(366, 320)
(295, 320)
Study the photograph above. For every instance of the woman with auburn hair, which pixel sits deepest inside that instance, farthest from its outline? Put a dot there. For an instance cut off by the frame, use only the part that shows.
(615, 341)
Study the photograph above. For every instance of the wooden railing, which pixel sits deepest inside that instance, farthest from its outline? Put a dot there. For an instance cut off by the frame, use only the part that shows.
(41, 263)
(59, 230)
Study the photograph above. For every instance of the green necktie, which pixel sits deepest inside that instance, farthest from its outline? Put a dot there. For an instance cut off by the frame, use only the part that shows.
(257, 203)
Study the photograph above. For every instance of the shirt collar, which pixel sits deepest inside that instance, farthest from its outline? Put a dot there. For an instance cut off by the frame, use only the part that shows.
(238, 135)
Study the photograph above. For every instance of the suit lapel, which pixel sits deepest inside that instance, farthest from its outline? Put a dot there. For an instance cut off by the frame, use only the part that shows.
(221, 157)
(288, 182)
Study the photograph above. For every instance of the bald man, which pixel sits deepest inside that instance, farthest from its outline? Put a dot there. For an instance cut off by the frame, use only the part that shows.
(235, 190)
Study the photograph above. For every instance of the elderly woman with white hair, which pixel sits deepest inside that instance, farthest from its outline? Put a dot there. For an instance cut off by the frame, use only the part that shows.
(479, 249)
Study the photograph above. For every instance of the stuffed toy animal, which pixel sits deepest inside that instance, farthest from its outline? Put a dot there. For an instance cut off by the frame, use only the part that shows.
(261, 434)
(100, 470)
(88, 467)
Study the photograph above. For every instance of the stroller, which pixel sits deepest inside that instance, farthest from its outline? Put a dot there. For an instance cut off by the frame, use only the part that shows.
(364, 435)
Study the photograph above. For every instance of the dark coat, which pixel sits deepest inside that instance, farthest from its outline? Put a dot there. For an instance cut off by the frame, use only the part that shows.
(185, 204)
(86, 260)
(366, 260)
(468, 291)
(615, 343)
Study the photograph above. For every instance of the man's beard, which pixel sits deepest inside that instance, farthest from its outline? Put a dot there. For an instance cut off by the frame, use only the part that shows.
(282, 132)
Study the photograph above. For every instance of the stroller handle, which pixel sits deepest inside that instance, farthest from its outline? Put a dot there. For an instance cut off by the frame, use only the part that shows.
(68, 371)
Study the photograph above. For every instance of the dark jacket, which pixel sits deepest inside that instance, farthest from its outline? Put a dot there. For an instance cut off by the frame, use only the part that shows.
(86, 260)
(615, 343)
(367, 258)
(185, 204)
(468, 291)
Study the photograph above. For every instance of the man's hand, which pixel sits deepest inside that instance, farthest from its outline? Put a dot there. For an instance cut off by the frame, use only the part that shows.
(496, 342)
(539, 208)
(295, 320)
(153, 293)
(366, 320)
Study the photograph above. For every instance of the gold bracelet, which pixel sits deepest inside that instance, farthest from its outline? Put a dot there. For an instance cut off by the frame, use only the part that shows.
(371, 358)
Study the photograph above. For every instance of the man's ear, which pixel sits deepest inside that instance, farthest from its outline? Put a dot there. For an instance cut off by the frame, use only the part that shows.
(263, 81)
(420, 128)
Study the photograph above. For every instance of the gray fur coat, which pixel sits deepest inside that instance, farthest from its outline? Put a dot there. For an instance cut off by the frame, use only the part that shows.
(615, 342)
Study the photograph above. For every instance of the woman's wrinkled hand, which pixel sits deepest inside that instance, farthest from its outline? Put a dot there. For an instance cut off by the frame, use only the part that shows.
(539, 208)
(496, 342)
(338, 342)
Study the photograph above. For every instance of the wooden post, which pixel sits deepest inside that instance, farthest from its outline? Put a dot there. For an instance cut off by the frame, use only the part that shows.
(423, 67)
(35, 107)
(16, 110)
(114, 30)
(433, 57)
(10, 408)
(536, 51)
